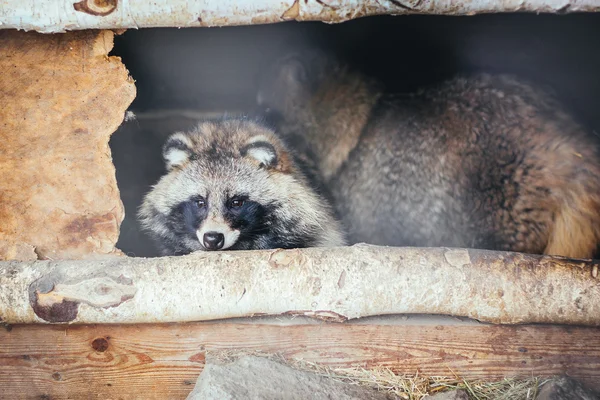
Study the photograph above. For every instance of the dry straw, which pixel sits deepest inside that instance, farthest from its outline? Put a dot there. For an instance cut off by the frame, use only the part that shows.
(406, 387)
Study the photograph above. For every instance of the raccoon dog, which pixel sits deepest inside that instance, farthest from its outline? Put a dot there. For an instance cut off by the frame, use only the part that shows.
(231, 185)
(482, 161)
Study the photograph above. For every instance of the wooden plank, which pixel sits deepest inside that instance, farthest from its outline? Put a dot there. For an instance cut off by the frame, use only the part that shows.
(163, 361)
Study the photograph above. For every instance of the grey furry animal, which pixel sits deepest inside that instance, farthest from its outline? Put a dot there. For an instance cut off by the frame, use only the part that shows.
(481, 161)
(234, 185)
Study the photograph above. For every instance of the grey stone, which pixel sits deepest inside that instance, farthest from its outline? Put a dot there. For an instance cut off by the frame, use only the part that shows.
(565, 388)
(451, 395)
(252, 377)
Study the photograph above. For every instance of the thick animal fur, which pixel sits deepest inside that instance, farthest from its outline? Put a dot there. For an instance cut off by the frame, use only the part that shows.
(237, 179)
(482, 161)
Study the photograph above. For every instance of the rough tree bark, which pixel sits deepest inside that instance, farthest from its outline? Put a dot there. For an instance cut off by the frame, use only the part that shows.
(46, 16)
(332, 284)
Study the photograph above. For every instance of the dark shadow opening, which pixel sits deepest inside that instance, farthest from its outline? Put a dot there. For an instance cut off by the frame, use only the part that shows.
(184, 75)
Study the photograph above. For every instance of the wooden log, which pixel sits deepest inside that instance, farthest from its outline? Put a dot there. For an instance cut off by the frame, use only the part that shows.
(45, 16)
(328, 283)
(163, 361)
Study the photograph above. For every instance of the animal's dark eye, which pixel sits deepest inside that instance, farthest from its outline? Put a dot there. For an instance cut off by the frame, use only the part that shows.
(237, 203)
(201, 203)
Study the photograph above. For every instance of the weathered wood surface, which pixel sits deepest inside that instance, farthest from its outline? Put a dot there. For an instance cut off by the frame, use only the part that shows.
(46, 16)
(61, 97)
(333, 284)
(163, 361)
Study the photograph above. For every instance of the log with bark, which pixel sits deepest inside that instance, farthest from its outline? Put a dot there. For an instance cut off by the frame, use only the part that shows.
(333, 284)
(45, 16)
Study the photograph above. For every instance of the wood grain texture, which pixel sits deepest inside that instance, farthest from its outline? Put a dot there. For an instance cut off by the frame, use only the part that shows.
(163, 361)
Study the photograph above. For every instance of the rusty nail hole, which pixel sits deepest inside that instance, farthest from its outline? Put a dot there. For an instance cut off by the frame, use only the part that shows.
(57, 376)
(7, 327)
(100, 345)
(109, 384)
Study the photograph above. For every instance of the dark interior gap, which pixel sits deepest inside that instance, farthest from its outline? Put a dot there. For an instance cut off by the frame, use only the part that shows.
(185, 74)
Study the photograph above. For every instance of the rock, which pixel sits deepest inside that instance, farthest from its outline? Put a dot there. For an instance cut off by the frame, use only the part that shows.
(253, 377)
(61, 97)
(565, 388)
(451, 395)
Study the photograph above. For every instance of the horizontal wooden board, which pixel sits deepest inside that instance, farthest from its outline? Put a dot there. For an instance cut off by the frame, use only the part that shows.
(163, 361)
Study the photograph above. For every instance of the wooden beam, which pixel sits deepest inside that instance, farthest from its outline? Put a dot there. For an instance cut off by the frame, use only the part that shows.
(163, 361)
(328, 283)
(45, 16)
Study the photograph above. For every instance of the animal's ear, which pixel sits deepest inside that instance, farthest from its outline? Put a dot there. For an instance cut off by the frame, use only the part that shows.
(177, 150)
(262, 152)
(292, 72)
(285, 80)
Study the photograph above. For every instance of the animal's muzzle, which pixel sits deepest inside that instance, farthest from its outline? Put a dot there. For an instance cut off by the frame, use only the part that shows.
(213, 240)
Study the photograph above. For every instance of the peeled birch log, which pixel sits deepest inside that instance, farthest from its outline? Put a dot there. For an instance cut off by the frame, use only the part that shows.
(47, 16)
(332, 284)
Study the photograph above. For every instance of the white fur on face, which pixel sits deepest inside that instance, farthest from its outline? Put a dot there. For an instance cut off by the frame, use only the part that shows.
(262, 154)
(217, 224)
(258, 138)
(176, 157)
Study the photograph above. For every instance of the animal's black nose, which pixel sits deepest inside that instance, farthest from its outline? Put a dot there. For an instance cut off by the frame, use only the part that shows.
(213, 240)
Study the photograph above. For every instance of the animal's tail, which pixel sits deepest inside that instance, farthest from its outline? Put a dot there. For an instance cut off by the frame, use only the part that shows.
(576, 229)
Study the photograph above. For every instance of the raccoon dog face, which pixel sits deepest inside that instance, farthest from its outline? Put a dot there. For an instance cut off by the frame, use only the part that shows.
(233, 185)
